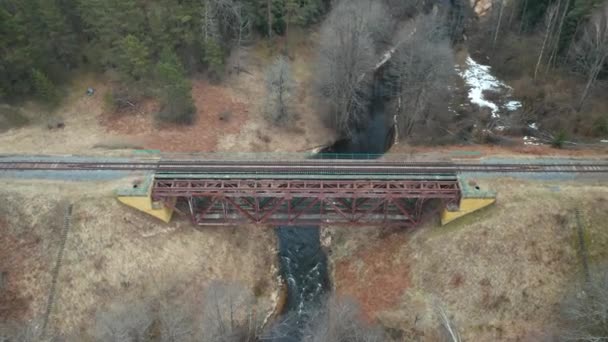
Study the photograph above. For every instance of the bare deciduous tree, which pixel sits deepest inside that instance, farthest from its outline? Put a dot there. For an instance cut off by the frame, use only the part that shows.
(228, 314)
(340, 320)
(124, 323)
(420, 70)
(269, 17)
(591, 50)
(550, 19)
(447, 325)
(209, 24)
(555, 44)
(501, 11)
(177, 322)
(28, 331)
(377, 19)
(279, 84)
(585, 310)
(459, 16)
(402, 9)
(346, 52)
(241, 26)
(225, 23)
(285, 329)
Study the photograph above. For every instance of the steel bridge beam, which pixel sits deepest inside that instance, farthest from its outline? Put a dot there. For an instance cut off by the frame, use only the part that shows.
(305, 202)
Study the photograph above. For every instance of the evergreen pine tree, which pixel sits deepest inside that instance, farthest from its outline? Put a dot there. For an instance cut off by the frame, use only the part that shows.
(44, 88)
(132, 59)
(176, 96)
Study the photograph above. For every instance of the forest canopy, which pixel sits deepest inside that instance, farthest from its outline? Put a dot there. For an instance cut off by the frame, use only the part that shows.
(42, 41)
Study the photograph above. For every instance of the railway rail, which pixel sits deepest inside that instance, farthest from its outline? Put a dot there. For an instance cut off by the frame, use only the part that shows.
(296, 192)
(304, 167)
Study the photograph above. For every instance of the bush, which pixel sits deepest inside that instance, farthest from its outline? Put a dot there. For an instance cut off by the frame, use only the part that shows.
(109, 101)
(600, 126)
(280, 85)
(559, 139)
(585, 310)
(338, 319)
(178, 107)
(214, 59)
(123, 98)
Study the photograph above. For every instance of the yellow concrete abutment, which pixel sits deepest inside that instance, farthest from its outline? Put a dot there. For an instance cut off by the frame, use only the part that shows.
(138, 196)
(146, 205)
(467, 206)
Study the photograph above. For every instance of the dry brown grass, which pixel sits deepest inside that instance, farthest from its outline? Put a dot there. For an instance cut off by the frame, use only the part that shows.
(117, 255)
(202, 136)
(500, 273)
(88, 124)
(78, 112)
(29, 235)
(374, 268)
(257, 134)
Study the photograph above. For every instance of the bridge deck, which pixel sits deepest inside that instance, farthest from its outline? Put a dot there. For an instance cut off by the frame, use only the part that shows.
(306, 176)
(314, 201)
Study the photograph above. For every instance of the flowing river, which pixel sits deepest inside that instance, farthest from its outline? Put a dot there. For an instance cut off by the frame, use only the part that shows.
(303, 261)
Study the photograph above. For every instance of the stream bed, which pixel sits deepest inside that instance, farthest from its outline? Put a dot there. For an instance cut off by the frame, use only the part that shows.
(303, 262)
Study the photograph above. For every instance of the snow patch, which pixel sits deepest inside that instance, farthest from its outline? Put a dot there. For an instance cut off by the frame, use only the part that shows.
(533, 126)
(479, 79)
(531, 141)
(604, 141)
(513, 105)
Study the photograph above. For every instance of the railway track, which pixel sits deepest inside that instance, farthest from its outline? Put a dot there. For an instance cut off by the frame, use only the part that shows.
(304, 167)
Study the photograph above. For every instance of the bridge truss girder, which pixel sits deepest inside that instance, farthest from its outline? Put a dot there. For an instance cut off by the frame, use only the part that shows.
(304, 202)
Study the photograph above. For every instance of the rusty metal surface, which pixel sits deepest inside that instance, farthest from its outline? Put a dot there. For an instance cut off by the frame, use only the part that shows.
(305, 202)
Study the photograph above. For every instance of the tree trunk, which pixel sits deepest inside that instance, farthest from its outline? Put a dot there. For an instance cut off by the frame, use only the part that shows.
(287, 20)
(206, 28)
(549, 29)
(281, 103)
(556, 43)
(238, 50)
(523, 16)
(417, 110)
(595, 71)
(269, 14)
(502, 8)
(573, 39)
(540, 56)
(514, 9)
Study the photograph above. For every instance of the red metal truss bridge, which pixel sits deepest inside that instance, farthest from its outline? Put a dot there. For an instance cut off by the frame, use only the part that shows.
(305, 202)
(302, 192)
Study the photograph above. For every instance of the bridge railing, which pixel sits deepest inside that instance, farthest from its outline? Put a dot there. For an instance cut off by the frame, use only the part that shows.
(281, 156)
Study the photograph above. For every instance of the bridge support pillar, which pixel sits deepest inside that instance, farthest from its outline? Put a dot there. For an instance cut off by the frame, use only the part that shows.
(473, 199)
(139, 196)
